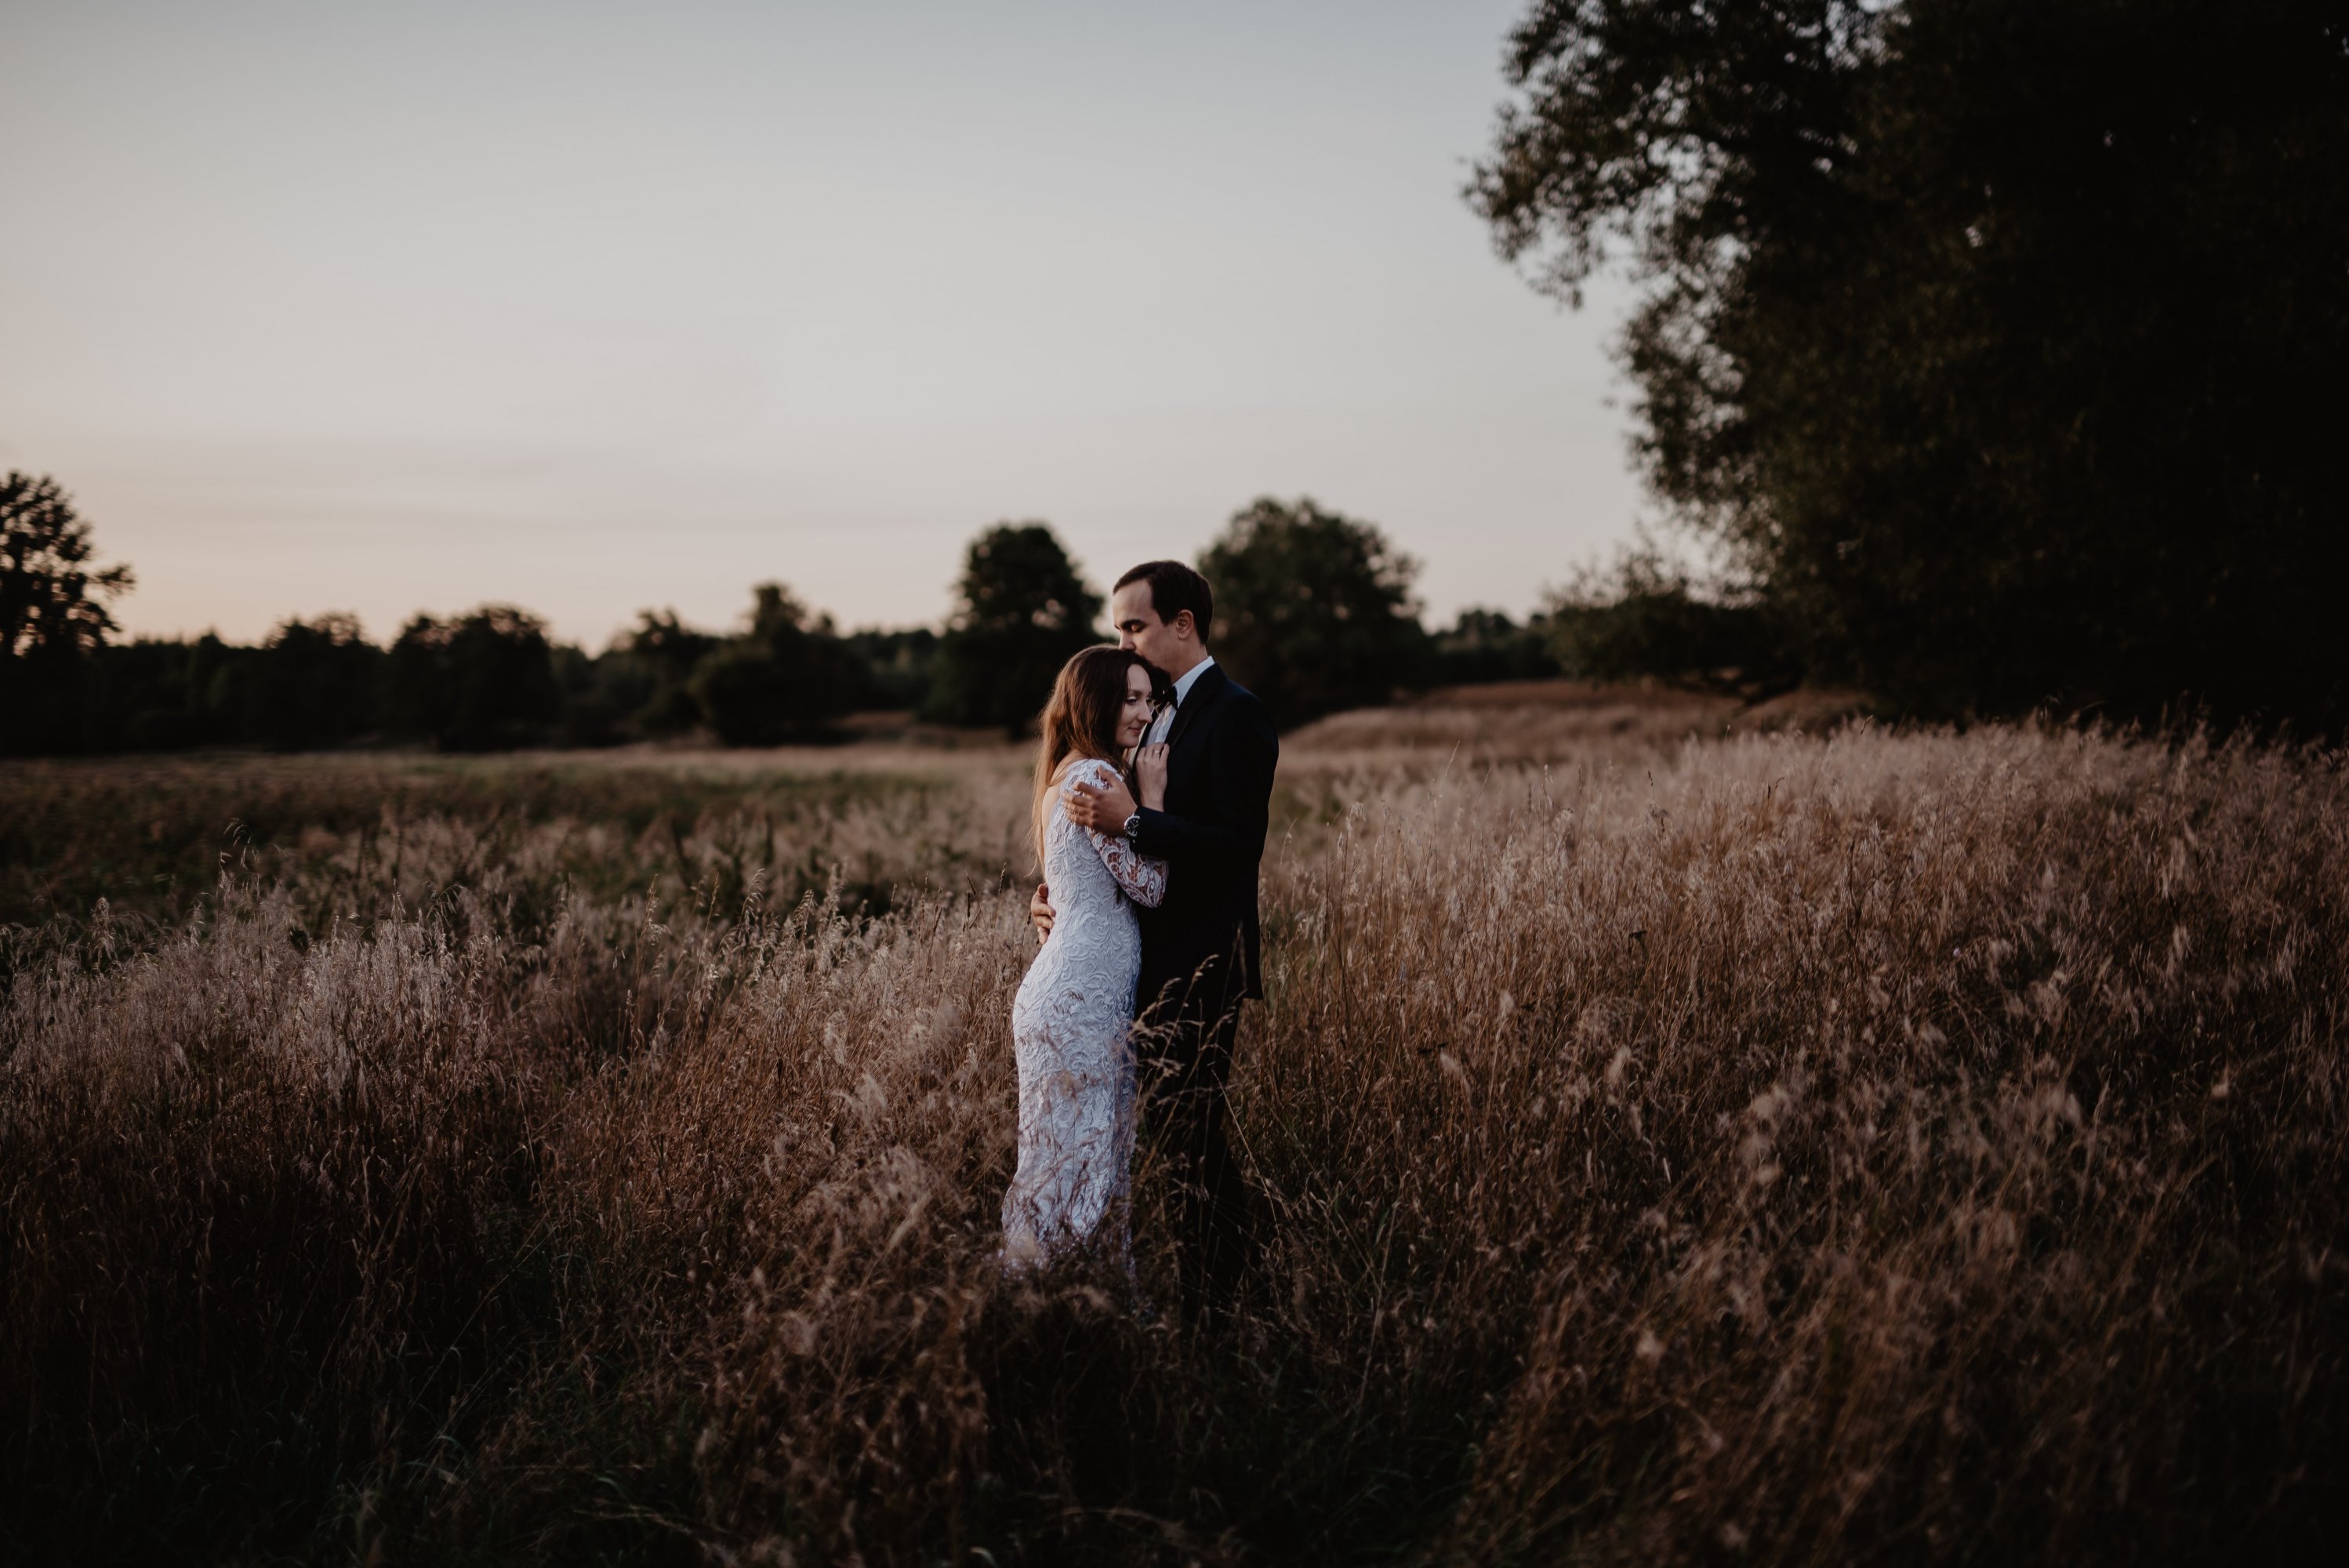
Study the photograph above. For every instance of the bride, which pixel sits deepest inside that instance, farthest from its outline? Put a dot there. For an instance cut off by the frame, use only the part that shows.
(1070, 1021)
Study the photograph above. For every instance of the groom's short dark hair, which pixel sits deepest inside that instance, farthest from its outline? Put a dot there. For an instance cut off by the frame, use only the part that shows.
(1174, 588)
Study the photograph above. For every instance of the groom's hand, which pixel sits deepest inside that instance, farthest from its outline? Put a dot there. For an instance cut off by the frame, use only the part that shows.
(1102, 810)
(1039, 910)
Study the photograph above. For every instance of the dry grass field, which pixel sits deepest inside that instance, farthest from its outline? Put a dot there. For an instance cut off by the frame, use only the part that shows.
(1757, 1147)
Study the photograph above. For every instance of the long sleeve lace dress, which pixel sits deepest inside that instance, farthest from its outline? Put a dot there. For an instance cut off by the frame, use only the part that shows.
(1069, 1028)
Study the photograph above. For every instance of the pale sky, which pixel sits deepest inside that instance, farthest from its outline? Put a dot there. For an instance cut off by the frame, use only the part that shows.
(593, 307)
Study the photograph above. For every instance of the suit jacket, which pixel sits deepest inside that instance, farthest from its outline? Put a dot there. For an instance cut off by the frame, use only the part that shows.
(1221, 753)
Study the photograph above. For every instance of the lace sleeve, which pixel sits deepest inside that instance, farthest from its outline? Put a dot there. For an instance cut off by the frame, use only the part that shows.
(1143, 879)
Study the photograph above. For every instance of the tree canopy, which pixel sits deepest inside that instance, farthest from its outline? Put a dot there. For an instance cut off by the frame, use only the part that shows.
(473, 683)
(1996, 339)
(52, 601)
(1313, 609)
(1021, 611)
(315, 683)
(787, 679)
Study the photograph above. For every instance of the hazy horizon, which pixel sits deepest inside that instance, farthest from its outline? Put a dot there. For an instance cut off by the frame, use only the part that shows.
(590, 313)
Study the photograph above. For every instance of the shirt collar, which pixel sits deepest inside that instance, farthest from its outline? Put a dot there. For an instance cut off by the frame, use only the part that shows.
(1191, 678)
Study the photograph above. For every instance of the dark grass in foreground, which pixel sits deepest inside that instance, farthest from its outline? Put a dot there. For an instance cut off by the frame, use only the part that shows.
(1920, 1148)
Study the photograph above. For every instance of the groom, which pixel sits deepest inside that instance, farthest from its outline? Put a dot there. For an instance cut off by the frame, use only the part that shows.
(1199, 948)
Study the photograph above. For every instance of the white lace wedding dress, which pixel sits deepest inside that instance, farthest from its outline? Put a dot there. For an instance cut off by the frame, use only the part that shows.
(1068, 1032)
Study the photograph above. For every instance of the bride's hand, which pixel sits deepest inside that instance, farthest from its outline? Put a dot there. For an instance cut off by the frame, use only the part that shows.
(1150, 776)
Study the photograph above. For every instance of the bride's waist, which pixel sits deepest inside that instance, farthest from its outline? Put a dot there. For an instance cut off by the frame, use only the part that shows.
(1081, 930)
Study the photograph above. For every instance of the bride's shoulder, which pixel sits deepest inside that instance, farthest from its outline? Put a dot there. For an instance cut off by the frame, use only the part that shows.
(1090, 771)
(1086, 770)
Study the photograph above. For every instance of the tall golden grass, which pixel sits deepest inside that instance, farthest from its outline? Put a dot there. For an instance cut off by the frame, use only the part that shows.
(1916, 1147)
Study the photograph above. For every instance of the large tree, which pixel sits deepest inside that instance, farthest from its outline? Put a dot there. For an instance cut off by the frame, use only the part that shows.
(52, 601)
(475, 683)
(1022, 610)
(315, 683)
(661, 654)
(1998, 338)
(53, 617)
(784, 680)
(1313, 609)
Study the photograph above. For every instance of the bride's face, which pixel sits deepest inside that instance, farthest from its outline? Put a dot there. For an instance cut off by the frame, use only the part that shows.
(1134, 718)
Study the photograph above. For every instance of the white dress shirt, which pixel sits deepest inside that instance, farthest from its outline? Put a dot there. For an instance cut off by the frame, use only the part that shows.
(1166, 721)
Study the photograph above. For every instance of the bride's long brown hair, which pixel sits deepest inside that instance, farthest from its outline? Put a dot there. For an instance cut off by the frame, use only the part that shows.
(1080, 719)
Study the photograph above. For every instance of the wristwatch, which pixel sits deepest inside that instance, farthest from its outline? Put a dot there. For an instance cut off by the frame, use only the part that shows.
(1133, 827)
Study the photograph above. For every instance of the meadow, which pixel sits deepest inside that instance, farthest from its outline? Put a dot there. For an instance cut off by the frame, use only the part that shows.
(1678, 1140)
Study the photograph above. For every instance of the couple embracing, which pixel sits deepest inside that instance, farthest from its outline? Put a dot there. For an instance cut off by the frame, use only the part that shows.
(1154, 785)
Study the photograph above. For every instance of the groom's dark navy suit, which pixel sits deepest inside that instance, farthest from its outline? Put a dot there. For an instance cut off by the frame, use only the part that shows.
(1200, 957)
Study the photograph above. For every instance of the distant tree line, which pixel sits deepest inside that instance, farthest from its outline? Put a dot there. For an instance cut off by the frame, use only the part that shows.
(488, 679)
(1994, 341)
(1312, 607)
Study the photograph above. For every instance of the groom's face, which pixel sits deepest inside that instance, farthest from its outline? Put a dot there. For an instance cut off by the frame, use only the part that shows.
(1171, 648)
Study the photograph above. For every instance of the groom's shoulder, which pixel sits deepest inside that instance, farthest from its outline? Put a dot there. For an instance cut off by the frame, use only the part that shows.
(1237, 702)
(1239, 696)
